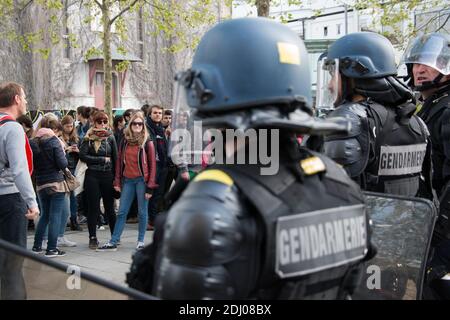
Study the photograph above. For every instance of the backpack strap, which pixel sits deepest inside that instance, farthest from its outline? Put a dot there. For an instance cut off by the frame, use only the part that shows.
(5, 119)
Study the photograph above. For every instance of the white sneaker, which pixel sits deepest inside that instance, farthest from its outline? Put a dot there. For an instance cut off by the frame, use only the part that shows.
(140, 245)
(63, 242)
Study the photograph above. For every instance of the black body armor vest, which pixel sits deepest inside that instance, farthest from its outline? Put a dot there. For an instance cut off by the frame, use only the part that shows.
(237, 234)
(292, 206)
(388, 149)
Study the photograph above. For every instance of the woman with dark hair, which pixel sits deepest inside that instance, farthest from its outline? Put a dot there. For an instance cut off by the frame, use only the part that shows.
(99, 151)
(49, 162)
(127, 115)
(70, 138)
(118, 126)
(135, 177)
(27, 125)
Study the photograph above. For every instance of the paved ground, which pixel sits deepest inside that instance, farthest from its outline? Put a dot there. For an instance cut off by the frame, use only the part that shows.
(108, 265)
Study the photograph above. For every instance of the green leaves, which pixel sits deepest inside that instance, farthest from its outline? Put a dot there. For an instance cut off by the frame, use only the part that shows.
(122, 66)
(394, 16)
(91, 52)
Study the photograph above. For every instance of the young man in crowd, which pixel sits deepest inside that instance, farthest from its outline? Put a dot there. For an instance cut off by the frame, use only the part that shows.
(17, 198)
(158, 136)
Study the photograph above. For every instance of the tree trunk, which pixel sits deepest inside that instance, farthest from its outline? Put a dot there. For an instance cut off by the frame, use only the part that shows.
(107, 62)
(263, 7)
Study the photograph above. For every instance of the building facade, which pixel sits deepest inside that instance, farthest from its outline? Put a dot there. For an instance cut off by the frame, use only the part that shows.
(320, 22)
(66, 79)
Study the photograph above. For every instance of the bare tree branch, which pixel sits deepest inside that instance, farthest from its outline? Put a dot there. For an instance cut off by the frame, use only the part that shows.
(429, 22)
(445, 22)
(26, 6)
(123, 11)
(151, 4)
(99, 4)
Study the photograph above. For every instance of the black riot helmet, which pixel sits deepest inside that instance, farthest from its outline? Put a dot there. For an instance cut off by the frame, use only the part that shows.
(432, 50)
(249, 72)
(246, 63)
(364, 55)
(366, 65)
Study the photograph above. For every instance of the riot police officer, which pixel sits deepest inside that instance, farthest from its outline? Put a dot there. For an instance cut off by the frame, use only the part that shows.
(428, 63)
(387, 149)
(238, 232)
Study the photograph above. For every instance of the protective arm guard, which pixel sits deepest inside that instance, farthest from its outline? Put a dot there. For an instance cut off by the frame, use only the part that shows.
(351, 150)
(209, 247)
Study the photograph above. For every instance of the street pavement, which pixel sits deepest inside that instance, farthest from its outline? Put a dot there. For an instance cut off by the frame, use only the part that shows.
(107, 265)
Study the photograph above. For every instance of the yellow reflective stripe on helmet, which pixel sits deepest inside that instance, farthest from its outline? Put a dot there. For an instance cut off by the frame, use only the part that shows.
(215, 175)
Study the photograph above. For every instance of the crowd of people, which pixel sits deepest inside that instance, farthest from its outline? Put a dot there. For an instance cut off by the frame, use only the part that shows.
(224, 222)
(126, 161)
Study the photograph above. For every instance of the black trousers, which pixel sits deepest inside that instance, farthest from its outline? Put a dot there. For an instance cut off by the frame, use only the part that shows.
(99, 185)
(161, 172)
(172, 172)
(13, 228)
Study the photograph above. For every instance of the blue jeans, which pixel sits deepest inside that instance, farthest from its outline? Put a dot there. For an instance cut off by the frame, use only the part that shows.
(64, 217)
(52, 206)
(130, 188)
(73, 207)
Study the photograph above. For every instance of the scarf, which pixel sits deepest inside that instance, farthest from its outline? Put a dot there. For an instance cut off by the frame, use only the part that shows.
(157, 128)
(161, 142)
(97, 136)
(134, 141)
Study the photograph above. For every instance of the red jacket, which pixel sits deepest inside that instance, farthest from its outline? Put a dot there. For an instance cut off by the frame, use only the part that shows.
(146, 161)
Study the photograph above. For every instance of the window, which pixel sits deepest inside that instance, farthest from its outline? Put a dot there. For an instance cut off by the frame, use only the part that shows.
(339, 29)
(99, 79)
(140, 34)
(325, 31)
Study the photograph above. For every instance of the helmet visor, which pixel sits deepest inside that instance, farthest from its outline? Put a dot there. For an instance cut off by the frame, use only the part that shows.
(188, 139)
(327, 83)
(431, 50)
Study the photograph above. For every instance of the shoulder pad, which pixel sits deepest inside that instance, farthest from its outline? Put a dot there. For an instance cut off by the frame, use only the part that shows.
(353, 113)
(419, 126)
(351, 107)
(380, 110)
(443, 100)
(211, 183)
(351, 149)
(214, 175)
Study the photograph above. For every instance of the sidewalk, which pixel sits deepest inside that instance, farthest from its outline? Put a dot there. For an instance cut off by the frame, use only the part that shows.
(108, 265)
